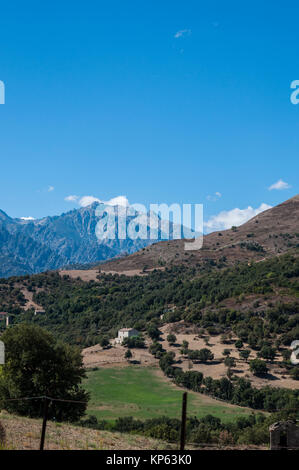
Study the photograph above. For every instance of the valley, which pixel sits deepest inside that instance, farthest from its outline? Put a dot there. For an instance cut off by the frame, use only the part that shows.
(218, 323)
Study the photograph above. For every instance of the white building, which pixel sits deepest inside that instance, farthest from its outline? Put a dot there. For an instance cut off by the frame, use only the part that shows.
(5, 316)
(126, 333)
(39, 312)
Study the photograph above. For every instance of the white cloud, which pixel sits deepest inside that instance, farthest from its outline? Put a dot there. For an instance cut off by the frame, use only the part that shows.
(87, 200)
(214, 197)
(118, 201)
(182, 32)
(115, 201)
(71, 198)
(27, 218)
(279, 185)
(226, 219)
(50, 188)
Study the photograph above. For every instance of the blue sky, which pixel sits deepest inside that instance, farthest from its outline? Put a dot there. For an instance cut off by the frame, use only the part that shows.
(160, 101)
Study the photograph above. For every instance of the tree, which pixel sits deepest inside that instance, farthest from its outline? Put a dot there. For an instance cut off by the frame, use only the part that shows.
(38, 365)
(171, 339)
(245, 354)
(229, 362)
(286, 354)
(239, 344)
(155, 349)
(267, 353)
(128, 354)
(224, 339)
(134, 342)
(154, 333)
(226, 352)
(295, 373)
(104, 342)
(205, 355)
(258, 367)
(167, 360)
(184, 348)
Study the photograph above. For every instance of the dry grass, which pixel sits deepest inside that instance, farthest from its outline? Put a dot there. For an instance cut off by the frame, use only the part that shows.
(24, 434)
(282, 219)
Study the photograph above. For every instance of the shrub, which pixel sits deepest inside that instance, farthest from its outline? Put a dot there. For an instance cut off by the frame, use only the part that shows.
(134, 342)
(2, 435)
(258, 367)
(295, 373)
(171, 339)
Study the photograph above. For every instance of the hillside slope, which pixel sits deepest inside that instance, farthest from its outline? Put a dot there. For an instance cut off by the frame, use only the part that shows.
(270, 233)
(24, 434)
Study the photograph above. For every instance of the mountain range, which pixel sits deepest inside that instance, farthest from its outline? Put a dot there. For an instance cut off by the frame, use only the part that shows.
(32, 246)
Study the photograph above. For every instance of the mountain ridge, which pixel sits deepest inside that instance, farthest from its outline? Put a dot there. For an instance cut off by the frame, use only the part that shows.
(269, 233)
(55, 242)
(30, 246)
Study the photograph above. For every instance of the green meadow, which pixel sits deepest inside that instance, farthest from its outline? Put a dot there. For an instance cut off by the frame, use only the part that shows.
(141, 393)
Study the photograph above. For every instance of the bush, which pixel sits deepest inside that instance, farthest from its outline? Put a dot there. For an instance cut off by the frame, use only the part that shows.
(128, 354)
(104, 342)
(201, 435)
(295, 373)
(156, 349)
(134, 342)
(2, 435)
(258, 367)
(171, 339)
(203, 355)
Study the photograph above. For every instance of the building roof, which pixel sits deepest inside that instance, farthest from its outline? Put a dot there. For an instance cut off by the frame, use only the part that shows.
(283, 425)
(4, 313)
(126, 329)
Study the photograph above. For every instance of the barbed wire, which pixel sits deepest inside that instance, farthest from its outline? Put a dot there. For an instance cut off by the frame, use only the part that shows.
(44, 397)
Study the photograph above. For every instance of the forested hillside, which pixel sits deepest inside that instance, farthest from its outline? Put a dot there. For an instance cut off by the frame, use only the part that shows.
(260, 299)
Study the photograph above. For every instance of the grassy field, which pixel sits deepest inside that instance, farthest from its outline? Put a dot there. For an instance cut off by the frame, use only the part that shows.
(141, 393)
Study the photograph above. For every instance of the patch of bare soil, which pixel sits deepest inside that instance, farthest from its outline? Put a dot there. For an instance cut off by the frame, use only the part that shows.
(29, 299)
(92, 274)
(84, 274)
(132, 272)
(96, 356)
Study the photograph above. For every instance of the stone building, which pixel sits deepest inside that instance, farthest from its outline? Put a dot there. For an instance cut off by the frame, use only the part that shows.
(126, 333)
(284, 435)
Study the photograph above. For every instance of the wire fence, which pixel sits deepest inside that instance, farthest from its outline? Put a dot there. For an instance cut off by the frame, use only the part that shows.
(23, 433)
(26, 433)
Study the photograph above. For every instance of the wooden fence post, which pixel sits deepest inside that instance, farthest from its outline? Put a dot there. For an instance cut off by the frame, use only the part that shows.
(43, 435)
(183, 424)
